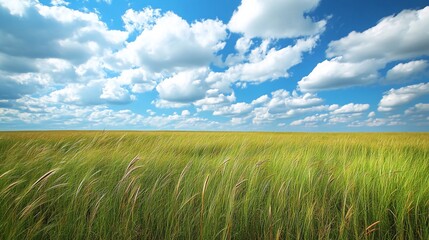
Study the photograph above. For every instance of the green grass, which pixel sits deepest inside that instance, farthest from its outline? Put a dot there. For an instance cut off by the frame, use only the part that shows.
(193, 185)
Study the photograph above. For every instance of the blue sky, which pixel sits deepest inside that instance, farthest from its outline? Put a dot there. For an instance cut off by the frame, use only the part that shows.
(247, 65)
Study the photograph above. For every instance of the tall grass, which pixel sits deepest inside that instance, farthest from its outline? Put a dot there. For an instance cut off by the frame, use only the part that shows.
(191, 185)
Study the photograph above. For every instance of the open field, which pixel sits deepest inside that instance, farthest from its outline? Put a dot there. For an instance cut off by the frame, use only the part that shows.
(193, 185)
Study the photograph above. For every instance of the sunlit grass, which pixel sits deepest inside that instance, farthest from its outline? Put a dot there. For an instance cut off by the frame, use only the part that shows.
(193, 185)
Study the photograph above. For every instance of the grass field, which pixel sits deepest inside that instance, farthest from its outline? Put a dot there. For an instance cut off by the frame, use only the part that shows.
(194, 185)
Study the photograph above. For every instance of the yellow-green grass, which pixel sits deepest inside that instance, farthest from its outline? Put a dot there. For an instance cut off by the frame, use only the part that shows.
(208, 185)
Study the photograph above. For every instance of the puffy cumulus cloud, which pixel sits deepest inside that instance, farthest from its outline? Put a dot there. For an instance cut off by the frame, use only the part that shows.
(139, 79)
(184, 87)
(405, 72)
(358, 57)
(242, 46)
(282, 101)
(139, 20)
(196, 87)
(265, 115)
(215, 97)
(418, 114)
(14, 86)
(180, 121)
(237, 121)
(111, 118)
(398, 97)
(115, 93)
(265, 63)
(351, 108)
(213, 100)
(43, 32)
(185, 113)
(47, 72)
(17, 8)
(78, 94)
(397, 37)
(59, 3)
(261, 100)
(116, 90)
(265, 109)
(276, 19)
(334, 74)
(168, 42)
(233, 110)
(93, 93)
(50, 114)
(418, 108)
(310, 121)
(335, 115)
(393, 120)
(161, 103)
(196, 123)
(45, 47)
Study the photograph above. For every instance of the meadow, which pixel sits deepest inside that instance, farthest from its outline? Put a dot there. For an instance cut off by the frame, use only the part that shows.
(213, 185)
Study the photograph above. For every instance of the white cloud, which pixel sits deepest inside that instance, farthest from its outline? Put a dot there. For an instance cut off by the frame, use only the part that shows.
(59, 3)
(233, 110)
(139, 79)
(405, 72)
(171, 43)
(265, 109)
(343, 118)
(115, 93)
(398, 97)
(310, 120)
(418, 108)
(105, 1)
(214, 100)
(196, 86)
(242, 46)
(45, 113)
(371, 114)
(161, 103)
(17, 8)
(214, 97)
(351, 108)
(93, 93)
(261, 115)
(393, 120)
(336, 115)
(50, 114)
(139, 20)
(334, 74)
(67, 46)
(78, 94)
(184, 87)
(261, 100)
(14, 86)
(403, 36)
(176, 121)
(238, 121)
(270, 64)
(276, 19)
(283, 101)
(185, 113)
(60, 33)
(358, 57)
(108, 117)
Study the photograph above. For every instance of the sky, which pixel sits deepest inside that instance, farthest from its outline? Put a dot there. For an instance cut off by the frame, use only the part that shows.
(224, 65)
